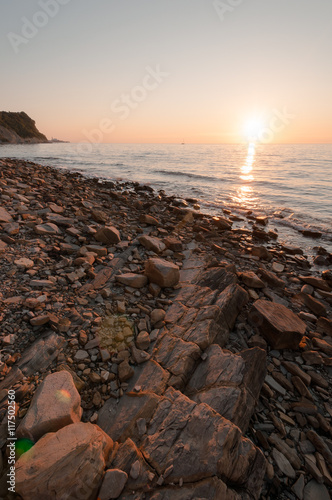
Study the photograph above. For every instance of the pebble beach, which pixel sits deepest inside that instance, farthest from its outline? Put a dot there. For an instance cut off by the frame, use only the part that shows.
(154, 351)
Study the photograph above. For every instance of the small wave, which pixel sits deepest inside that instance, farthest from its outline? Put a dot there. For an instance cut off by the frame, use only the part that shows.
(184, 174)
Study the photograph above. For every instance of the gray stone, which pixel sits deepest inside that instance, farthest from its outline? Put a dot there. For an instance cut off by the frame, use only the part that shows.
(113, 483)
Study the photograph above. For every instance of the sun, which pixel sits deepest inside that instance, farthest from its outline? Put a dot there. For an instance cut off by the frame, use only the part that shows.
(253, 128)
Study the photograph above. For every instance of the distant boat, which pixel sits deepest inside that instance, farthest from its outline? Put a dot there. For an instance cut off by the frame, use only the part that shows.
(182, 141)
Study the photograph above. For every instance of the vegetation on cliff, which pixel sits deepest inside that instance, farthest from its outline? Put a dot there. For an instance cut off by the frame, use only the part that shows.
(18, 128)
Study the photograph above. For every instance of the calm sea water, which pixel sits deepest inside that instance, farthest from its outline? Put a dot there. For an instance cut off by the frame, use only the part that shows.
(292, 184)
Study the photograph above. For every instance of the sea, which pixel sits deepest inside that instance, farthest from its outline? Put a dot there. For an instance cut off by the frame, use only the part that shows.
(290, 183)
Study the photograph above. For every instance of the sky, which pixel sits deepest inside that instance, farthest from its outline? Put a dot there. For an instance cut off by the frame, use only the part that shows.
(152, 71)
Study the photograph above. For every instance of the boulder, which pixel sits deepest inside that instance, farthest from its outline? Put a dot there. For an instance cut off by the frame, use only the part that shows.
(108, 235)
(66, 464)
(277, 324)
(55, 404)
(162, 272)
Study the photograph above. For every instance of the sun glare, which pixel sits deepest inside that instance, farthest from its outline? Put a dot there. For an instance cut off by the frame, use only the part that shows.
(253, 128)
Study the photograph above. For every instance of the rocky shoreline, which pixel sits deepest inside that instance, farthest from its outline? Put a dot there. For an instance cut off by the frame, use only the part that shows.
(156, 352)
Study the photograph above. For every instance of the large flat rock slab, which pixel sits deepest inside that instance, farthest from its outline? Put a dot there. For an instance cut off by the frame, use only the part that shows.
(118, 418)
(67, 464)
(193, 443)
(277, 324)
(229, 383)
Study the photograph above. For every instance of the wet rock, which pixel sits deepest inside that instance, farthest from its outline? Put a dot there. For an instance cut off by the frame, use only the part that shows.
(55, 405)
(70, 462)
(277, 324)
(162, 272)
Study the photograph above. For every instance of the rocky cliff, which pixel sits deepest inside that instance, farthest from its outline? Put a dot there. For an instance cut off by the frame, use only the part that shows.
(19, 128)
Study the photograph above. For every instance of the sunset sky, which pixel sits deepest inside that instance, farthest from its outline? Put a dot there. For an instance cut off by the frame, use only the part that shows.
(166, 71)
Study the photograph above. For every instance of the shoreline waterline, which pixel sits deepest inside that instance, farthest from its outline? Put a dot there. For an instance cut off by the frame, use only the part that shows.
(219, 177)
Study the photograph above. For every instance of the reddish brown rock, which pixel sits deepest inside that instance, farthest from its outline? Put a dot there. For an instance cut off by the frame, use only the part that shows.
(162, 272)
(152, 243)
(133, 280)
(69, 462)
(229, 383)
(198, 443)
(108, 235)
(55, 405)
(316, 282)
(47, 229)
(311, 303)
(148, 219)
(4, 215)
(118, 418)
(251, 279)
(271, 278)
(277, 324)
(324, 325)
